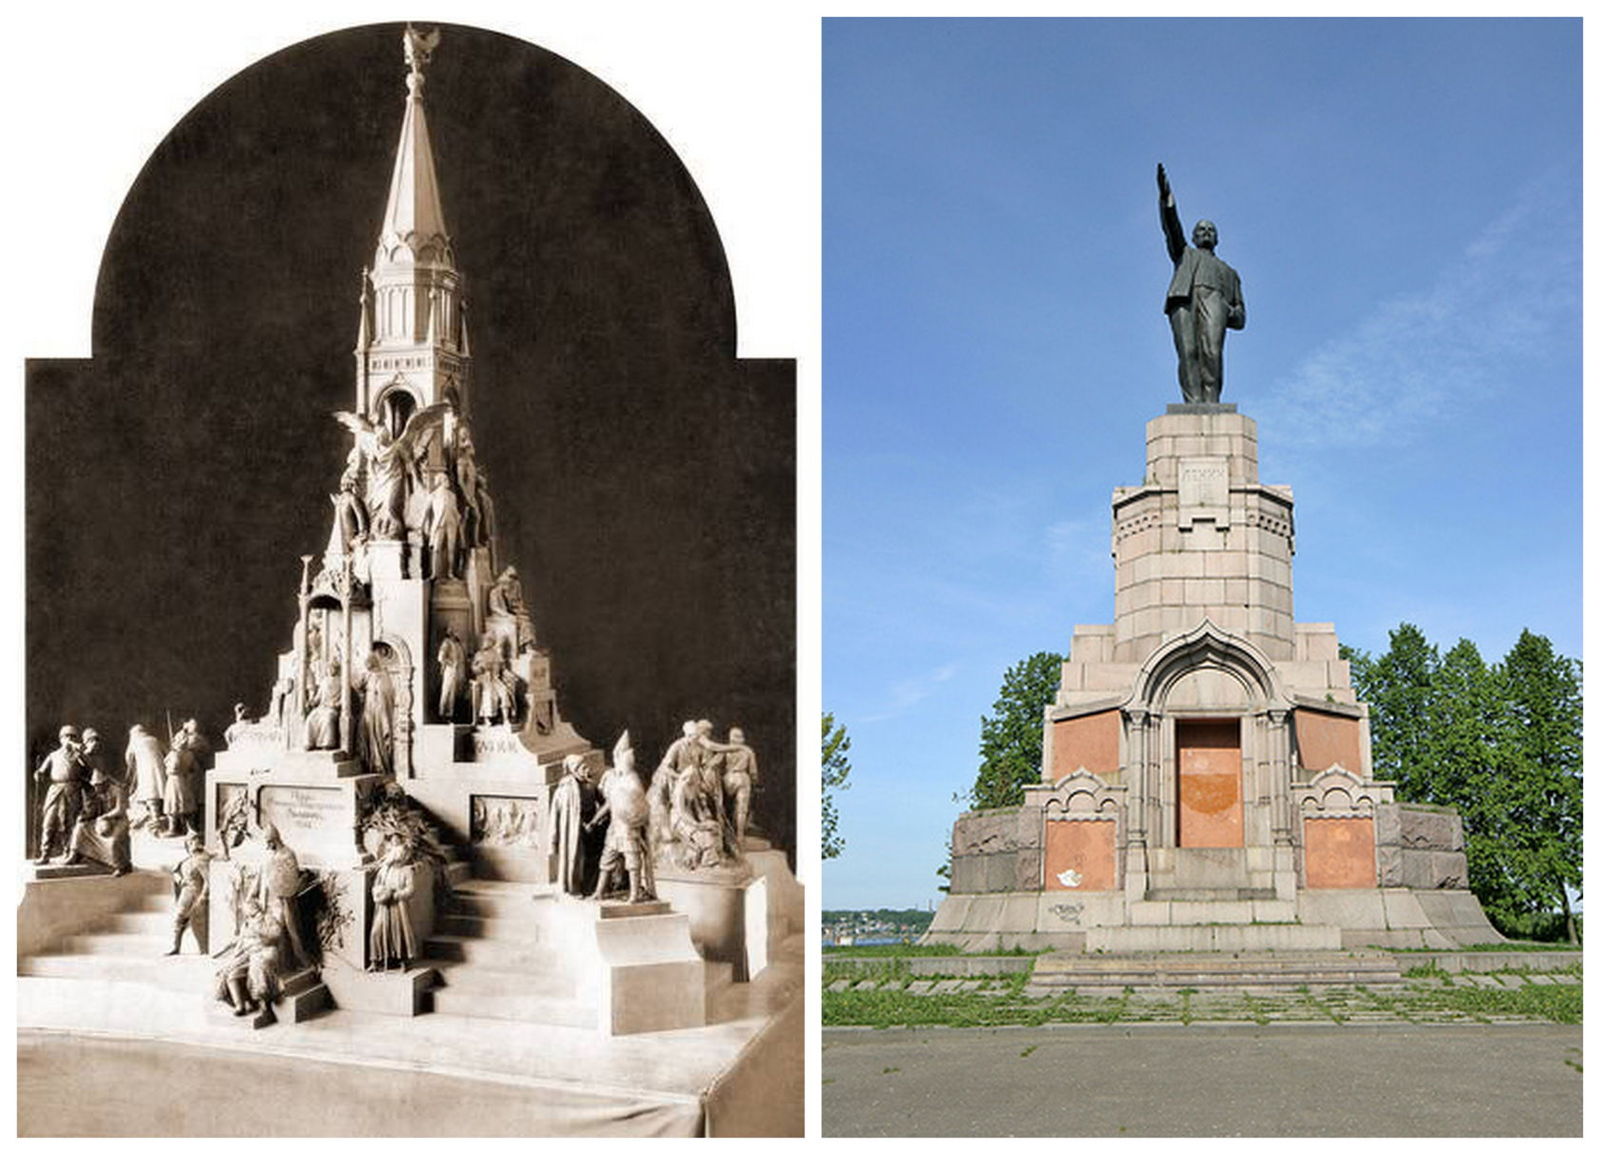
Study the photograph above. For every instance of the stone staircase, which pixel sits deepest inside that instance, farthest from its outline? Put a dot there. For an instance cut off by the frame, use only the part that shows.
(518, 951)
(130, 945)
(1212, 970)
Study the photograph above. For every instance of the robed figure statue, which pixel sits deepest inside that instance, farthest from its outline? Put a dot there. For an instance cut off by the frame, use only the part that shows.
(1203, 300)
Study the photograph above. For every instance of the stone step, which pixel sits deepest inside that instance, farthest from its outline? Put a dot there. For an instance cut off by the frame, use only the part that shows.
(511, 954)
(1210, 894)
(486, 898)
(1197, 912)
(191, 972)
(157, 922)
(122, 944)
(527, 1008)
(1246, 937)
(458, 871)
(486, 980)
(1289, 969)
(498, 929)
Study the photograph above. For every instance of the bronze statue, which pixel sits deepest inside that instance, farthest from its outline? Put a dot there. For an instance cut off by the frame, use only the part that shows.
(1203, 300)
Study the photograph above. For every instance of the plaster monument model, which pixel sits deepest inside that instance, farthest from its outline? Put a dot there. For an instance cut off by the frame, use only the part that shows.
(376, 848)
(1203, 300)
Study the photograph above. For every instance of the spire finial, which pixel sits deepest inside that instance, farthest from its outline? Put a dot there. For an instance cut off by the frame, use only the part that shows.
(419, 50)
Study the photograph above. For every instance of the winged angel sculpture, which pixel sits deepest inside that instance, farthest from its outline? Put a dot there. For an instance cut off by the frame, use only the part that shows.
(390, 464)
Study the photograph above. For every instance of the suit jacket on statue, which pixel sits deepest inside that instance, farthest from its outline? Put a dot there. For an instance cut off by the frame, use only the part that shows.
(1204, 268)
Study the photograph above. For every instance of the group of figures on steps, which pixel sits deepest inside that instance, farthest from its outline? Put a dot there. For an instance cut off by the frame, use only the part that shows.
(89, 810)
(694, 814)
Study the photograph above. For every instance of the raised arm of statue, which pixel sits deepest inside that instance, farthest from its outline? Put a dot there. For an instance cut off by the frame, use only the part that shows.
(1171, 224)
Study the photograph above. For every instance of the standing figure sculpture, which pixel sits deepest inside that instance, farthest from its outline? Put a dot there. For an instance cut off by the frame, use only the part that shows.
(627, 844)
(377, 717)
(190, 884)
(490, 697)
(392, 940)
(452, 660)
(1203, 300)
(739, 780)
(64, 797)
(441, 525)
(147, 775)
(181, 796)
(570, 804)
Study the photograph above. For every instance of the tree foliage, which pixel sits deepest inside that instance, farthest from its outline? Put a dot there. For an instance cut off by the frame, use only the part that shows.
(1503, 744)
(835, 776)
(1011, 745)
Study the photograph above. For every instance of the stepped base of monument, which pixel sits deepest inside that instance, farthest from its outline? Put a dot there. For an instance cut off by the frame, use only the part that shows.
(377, 1075)
(1249, 970)
(1389, 917)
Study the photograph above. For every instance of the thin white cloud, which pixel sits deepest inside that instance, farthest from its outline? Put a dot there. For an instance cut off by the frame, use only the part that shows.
(905, 694)
(1080, 547)
(1421, 356)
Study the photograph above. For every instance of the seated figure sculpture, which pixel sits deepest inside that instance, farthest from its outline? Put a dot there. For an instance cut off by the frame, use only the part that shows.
(250, 972)
(101, 831)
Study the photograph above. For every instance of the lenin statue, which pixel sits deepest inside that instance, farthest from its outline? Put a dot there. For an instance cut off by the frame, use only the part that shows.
(1203, 300)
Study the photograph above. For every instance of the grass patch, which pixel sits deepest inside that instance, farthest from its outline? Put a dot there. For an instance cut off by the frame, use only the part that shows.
(1556, 1004)
(1028, 1050)
(1483, 947)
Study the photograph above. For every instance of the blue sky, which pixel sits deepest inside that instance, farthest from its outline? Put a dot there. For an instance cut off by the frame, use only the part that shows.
(1402, 200)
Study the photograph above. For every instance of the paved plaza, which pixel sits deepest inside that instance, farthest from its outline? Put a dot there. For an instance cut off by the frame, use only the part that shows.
(1285, 1078)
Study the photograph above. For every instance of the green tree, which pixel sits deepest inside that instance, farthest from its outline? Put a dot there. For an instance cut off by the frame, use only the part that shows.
(1398, 689)
(835, 776)
(1011, 745)
(1536, 798)
(1503, 745)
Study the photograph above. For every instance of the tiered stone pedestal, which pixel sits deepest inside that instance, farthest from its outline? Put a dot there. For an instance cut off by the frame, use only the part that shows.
(727, 909)
(526, 952)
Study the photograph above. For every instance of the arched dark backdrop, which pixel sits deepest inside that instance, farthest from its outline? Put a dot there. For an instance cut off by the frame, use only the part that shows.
(643, 475)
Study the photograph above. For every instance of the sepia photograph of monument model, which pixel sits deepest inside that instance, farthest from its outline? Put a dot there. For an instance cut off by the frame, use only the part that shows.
(489, 651)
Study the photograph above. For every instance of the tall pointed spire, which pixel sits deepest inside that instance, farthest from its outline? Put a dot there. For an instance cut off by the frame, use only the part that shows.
(409, 344)
(414, 217)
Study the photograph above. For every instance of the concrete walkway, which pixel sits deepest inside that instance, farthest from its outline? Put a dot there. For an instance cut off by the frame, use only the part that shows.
(1284, 1079)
